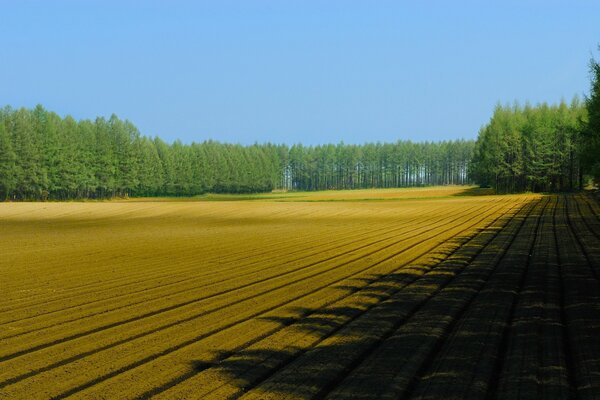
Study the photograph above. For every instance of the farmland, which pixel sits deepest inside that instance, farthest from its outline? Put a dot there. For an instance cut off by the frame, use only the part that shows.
(414, 293)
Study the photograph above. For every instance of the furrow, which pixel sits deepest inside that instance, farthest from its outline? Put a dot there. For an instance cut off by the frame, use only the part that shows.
(391, 368)
(257, 363)
(581, 308)
(87, 331)
(416, 244)
(192, 282)
(470, 351)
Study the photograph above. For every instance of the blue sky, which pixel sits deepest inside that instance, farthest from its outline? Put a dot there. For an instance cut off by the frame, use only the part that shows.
(295, 71)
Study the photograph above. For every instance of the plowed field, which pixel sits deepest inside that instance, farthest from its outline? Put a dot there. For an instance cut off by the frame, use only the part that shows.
(390, 295)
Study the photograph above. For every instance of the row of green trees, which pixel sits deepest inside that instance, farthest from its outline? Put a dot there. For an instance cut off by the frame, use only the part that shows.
(44, 156)
(541, 148)
(590, 134)
(531, 148)
(378, 165)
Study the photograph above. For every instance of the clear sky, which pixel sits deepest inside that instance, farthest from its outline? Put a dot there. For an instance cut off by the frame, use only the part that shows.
(295, 71)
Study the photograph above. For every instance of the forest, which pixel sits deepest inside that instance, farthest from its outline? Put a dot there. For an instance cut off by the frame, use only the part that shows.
(44, 156)
(542, 148)
(526, 148)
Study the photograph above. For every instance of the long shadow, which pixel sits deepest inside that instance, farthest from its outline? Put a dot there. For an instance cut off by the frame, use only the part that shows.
(379, 339)
(341, 338)
(329, 341)
(476, 191)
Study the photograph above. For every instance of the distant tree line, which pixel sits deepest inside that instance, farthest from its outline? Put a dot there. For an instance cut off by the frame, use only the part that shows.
(44, 156)
(541, 148)
(527, 148)
(535, 148)
(378, 165)
(590, 134)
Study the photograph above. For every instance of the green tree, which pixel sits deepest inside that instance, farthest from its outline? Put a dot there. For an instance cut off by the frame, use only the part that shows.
(591, 133)
(7, 164)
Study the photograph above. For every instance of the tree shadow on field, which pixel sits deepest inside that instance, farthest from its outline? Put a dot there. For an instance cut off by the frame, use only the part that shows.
(312, 353)
(325, 344)
(377, 340)
(476, 191)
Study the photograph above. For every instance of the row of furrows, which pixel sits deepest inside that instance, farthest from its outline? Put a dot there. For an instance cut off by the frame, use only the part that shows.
(149, 272)
(589, 210)
(342, 337)
(107, 321)
(551, 353)
(197, 281)
(555, 373)
(457, 338)
(494, 306)
(261, 357)
(242, 253)
(220, 253)
(579, 257)
(243, 249)
(536, 362)
(251, 316)
(158, 364)
(427, 354)
(546, 345)
(586, 228)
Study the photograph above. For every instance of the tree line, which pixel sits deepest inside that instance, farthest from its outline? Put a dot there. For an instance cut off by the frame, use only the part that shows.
(378, 165)
(590, 134)
(541, 148)
(522, 148)
(527, 148)
(44, 156)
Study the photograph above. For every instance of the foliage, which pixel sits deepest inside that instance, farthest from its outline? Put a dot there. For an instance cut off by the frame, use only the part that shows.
(45, 156)
(591, 135)
(531, 148)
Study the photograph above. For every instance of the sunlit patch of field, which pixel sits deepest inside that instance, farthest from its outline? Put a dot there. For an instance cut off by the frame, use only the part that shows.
(301, 298)
(338, 195)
